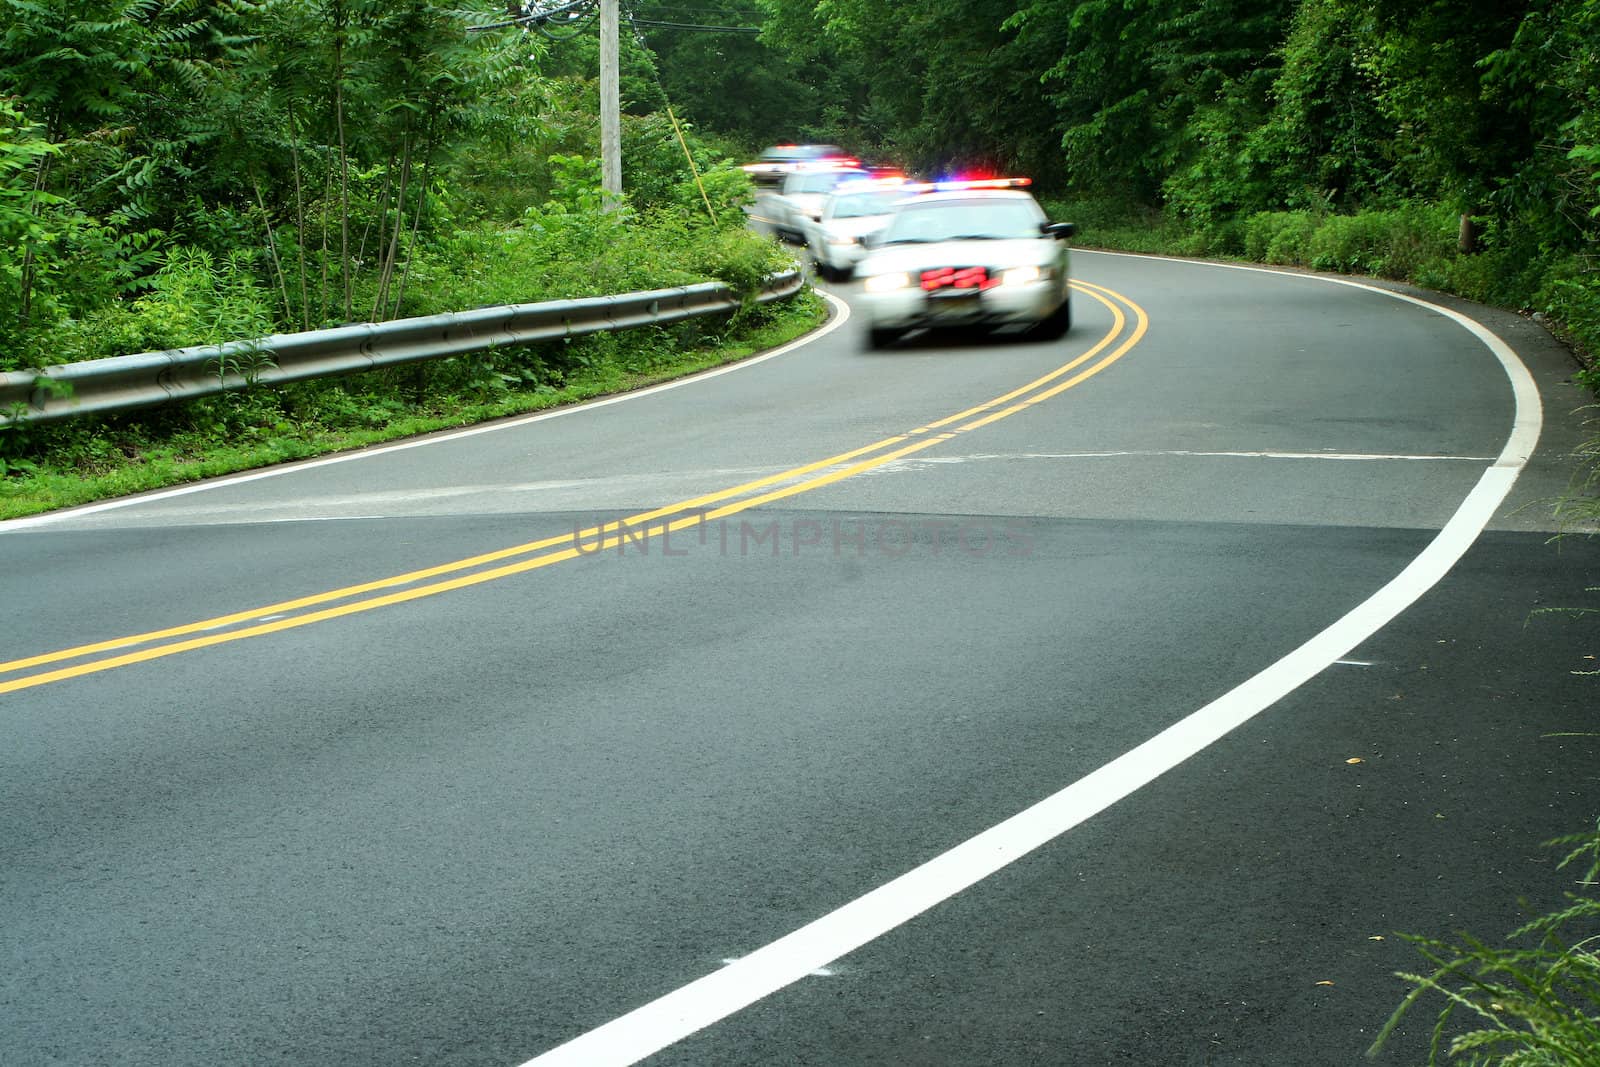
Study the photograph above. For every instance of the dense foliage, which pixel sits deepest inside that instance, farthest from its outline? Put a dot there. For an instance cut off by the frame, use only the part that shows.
(1241, 127)
(181, 171)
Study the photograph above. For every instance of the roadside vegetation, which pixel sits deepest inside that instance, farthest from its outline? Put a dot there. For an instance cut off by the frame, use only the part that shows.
(1532, 1001)
(1412, 243)
(64, 464)
(176, 174)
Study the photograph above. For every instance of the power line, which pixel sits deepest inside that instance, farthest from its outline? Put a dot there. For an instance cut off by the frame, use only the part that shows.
(673, 10)
(692, 26)
(540, 15)
(576, 14)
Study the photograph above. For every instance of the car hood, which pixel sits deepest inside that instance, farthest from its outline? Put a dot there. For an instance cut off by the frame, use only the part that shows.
(859, 226)
(995, 255)
(806, 203)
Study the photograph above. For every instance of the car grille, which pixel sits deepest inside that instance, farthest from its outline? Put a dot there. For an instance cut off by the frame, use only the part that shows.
(957, 278)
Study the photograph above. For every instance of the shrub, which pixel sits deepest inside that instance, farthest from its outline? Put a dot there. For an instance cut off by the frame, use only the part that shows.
(1277, 236)
(1388, 244)
(1284, 237)
(1225, 238)
(1573, 300)
(192, 301)
(1538, 1005)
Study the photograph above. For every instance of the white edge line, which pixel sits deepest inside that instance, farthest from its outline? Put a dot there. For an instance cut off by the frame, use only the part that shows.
(1190, 453)
(691, 1008)
(840, 318)
(1524, 438)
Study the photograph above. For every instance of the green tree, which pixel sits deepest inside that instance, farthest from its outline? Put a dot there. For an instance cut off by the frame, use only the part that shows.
(1455, 139)
(1549, 75)
(1326, 143)
(26, 212)
(738, 84)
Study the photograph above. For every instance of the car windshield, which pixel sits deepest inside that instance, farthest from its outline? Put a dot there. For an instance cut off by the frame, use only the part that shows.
(951, 220)
(861, 205)
(822, 182)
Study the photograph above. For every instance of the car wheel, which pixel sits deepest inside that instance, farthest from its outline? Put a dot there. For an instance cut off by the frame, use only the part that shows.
(879, 337)
(1055, 325)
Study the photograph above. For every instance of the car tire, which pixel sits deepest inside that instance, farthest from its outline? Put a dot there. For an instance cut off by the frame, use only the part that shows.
(1054, 326)
(880, 337)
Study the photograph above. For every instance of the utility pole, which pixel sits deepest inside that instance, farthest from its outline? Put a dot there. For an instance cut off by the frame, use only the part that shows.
(610, 106)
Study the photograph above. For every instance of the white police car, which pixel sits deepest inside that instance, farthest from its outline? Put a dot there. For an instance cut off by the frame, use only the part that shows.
(781, 160)
(799, 199)
(968, 253)
(849, 215)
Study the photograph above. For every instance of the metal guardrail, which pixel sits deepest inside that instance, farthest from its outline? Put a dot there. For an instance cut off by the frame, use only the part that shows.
(124, 383)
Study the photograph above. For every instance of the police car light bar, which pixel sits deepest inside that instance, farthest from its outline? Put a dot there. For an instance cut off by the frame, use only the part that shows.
(956, 185)
(865, 185)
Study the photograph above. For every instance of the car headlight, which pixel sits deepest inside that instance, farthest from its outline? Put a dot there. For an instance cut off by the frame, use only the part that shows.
(1023, 275)
(836, 239)
(887, 283)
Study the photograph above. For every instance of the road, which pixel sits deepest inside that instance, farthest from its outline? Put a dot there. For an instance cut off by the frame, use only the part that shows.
(371, 761)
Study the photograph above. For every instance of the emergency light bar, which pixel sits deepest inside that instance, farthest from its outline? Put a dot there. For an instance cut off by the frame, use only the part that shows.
(867, 185)
(958, 184)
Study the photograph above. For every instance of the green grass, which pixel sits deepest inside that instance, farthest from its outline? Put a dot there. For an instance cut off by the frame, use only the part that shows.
(1533, 1002)
(103, 468)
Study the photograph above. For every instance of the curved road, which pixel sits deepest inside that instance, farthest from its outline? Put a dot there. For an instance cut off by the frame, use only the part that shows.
(458, 751)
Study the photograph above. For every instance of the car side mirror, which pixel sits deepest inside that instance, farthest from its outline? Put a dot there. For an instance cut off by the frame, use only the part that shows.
(1059, 230)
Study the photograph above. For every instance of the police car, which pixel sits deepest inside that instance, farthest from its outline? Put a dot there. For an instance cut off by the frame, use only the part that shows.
(799, 199)
(849, 215)
(781, 160)
(967, 253)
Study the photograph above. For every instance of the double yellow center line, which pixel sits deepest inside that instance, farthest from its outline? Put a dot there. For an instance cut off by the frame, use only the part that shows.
(58, 666)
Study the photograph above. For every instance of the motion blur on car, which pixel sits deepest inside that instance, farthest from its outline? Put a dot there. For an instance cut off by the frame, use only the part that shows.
(967, 253)
(781, 160)
(849, 215)
(799, 199)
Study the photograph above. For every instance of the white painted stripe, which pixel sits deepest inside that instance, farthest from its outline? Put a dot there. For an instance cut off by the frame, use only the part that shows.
(842, 315)
(1327, 455)
(693, 1007)
(820, 972)
(1354, 663)
(1530, 415)
(1191, 452)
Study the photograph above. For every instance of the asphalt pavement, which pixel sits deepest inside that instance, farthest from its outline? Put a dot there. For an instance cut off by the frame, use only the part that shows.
(404, 758)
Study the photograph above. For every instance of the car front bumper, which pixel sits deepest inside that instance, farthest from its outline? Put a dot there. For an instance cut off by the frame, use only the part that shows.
(911, 307)
(840, 256)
